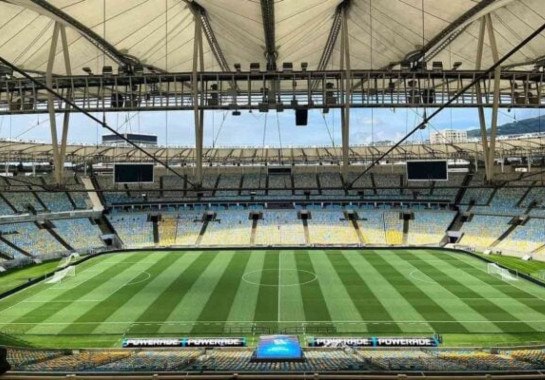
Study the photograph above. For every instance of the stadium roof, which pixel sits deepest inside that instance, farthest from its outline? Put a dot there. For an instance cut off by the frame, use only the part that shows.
(20, 151)
(381, 32)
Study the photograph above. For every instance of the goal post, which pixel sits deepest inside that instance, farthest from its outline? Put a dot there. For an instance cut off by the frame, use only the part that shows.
(506, 275)
(60, 275)
(68, 260)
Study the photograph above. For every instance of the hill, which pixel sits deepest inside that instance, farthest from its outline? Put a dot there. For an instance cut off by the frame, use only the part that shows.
(532, 125)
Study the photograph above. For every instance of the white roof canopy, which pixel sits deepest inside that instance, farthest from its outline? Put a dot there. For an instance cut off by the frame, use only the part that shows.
(160, 33)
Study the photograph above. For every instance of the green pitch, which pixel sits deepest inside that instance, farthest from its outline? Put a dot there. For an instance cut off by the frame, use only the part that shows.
(306, 292)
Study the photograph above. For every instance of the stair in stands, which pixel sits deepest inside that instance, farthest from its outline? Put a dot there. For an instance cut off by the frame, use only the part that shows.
(305, 229)
(492, 195)
(358, 231)
(540, 249)
(319, 184)
(59, 238)
(93, 185)
(505, 234)
(216, 185)
(40, 201)
(463, 188)
(254, 231)
(519, 203)
(405, 231)
(8, 202)
(372, 175)
(202, 232)
(5, 256)
(15, 247)
(91, 192)
(71, 200)
(155, 231)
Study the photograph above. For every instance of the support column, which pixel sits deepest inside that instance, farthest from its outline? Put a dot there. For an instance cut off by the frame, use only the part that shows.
(59, 153)
(198, 113)
(496, 98)
(66, 119)
(480, 108)
(51, 104)
(346, 91)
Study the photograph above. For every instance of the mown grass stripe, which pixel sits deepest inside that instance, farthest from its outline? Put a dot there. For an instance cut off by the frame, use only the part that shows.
(289, 293)
(142, 299)
(244, 304)
(190, 305)
(339, 303)
(45, 311)
(367, 303)
(81, 306)
(43, 292)
(470, 297)
(493, 295)
(219, 303)
(314, 304)
(412, 292)
(399, 308)
(163, 305)
(266, 308)
(121, 298)
(479, 270)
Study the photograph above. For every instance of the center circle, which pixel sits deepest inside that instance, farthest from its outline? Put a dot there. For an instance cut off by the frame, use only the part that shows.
(279, 277)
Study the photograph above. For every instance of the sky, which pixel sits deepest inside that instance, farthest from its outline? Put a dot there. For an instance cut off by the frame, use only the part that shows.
(272, 129)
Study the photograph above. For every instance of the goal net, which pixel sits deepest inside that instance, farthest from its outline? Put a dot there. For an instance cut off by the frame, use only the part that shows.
(68, 260)
(62, 274)
(496, 270)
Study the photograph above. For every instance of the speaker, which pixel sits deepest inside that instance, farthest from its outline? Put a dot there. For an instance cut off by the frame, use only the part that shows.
(301, 116)
(4, 365)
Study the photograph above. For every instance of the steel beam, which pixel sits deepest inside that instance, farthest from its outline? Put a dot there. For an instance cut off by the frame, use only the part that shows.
(496, 98)
(480, 109)
(455, 28)
(267, 14)
(51, 106)
(346, 92)
(198, 113)
(206, 27)
(332, 37)
(47, 9)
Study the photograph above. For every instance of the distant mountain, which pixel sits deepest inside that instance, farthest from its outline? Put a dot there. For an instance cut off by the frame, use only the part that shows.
(533, 125)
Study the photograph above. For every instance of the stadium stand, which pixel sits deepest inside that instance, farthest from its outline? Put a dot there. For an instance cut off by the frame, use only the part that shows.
(482, 231)
(80, 232)
(429, 227)
(134, 229)
(371, 224)
(525, 238)
(240, 360)
(229, 228)
(331, 227)
(280, 226)
(31, 238)
(393, 227)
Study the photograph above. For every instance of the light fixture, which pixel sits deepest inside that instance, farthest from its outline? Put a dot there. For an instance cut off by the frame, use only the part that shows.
(254, 68)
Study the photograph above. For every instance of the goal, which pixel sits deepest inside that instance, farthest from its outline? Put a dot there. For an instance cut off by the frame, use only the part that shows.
(68, 260)
(59, 276)
(496, 270)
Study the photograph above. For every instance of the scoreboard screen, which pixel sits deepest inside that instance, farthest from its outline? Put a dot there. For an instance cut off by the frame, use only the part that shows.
(278, 347)
(421, 170)
(131, 173)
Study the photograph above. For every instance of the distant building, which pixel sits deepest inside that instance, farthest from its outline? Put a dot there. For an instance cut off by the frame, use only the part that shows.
(448, 136)
(148, 141)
